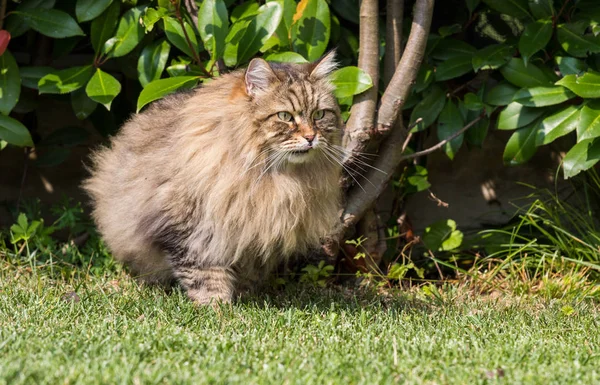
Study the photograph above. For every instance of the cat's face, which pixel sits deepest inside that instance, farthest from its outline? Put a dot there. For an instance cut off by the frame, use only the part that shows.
(298, 115)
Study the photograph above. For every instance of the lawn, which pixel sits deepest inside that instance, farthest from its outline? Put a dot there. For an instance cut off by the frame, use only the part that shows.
(108, 329)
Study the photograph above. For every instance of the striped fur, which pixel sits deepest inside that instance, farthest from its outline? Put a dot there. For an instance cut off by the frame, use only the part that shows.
(207, 187)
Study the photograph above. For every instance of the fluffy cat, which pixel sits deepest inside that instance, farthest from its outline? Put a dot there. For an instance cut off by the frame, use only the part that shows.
(217, 186)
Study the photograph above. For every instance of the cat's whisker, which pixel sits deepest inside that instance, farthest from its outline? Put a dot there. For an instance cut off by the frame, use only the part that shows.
(349, 169)
(251, 164)
(328, 153)
(357, 160)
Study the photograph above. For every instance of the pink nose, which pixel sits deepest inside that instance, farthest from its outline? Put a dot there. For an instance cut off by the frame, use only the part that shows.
(309, 138)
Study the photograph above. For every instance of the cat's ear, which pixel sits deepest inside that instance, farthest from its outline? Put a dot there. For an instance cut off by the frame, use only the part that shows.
(259, 76)
(324, 66)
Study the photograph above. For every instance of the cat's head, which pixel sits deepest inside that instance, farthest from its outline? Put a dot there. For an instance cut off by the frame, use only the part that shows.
(295, 109)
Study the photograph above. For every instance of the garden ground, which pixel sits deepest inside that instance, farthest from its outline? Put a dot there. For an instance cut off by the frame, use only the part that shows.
(108, 329)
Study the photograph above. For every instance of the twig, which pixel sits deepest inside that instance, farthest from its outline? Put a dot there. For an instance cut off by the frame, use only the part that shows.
(393, 38)
(405, 144)
(555, 21)
(187, 38)
(443, 142)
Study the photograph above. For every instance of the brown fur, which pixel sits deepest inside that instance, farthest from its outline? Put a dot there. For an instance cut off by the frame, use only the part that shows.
(202, 187)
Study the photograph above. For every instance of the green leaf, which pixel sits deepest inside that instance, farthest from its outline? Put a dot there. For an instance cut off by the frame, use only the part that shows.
(558, 124)
(424, 78)
(541, 9)
(442, 236)
(586, 86)
(65, 81)
(103, 88)
(535, 37)
(501, 95)
(416, 180)
(13, 132)
(492, 57)
(213, 25)
(104, 26)
(521, 145)
(51, 22)
(311, 28)
(10, 83)
(286, 57)
(246, 10)
(284, 28)
(471, 5)
(570, 65)
(542, 96)
(153, 16)
(477, 133)
(473, 102)
(581, 157)
(516, 8)
(428, 109)
(449, 30)
(453, 67)
(82, 105)
(524, 76)
(66, 136)
(30, 76)
(450, 48)
(86, 10)
(350, 81)
(247, 36)
(52, 156)
(159, 88)
(129, 33)
(575, 42)
(16, 24)
(516, 115)
(449, 122)
(589, 121)
(176, 36)
(152, 61)
(347, 9)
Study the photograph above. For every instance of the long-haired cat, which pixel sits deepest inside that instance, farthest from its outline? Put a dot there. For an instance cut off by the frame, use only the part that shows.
(217, 186)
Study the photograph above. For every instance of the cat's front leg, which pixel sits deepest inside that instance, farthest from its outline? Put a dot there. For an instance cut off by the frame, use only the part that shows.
(204, 285)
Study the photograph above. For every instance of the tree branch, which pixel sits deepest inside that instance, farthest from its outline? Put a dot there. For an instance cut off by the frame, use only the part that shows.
(362, 114)
(393, 99)
(393, 38)
(397, 91)
(187, 38)
(443, 142)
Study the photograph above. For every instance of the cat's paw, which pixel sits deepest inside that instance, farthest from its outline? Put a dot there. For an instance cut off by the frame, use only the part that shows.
(204, 298)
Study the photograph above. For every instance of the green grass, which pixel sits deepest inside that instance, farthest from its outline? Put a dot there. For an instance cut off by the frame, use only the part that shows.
(120, 332)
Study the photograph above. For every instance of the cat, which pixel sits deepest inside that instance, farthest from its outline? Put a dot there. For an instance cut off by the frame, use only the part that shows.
(216, 187)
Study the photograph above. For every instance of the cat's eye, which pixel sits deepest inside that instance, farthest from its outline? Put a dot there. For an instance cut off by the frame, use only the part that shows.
(318, 114)
(285, 116)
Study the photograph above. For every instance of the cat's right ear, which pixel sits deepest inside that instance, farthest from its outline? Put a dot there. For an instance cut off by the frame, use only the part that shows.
(259, 76)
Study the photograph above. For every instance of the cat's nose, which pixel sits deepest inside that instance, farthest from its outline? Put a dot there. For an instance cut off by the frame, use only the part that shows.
(309, 138)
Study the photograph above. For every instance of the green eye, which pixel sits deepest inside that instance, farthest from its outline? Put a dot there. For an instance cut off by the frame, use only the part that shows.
(285, 116)
(318, 114)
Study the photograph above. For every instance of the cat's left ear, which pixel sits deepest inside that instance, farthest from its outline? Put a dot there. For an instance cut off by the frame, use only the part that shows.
(324, 66)
(259, 76)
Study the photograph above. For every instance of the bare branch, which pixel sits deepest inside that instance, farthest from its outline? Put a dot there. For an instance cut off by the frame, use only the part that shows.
(362, 115)
(393, 99)
(443, 142)
(397, 91)
(393, 38)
